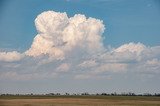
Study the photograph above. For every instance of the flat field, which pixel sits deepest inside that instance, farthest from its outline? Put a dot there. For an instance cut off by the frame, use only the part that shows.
(79, 101)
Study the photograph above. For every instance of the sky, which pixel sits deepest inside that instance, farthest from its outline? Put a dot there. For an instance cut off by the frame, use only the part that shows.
(79, 46)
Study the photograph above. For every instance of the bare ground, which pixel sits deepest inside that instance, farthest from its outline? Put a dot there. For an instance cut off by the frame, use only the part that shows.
(79, 102)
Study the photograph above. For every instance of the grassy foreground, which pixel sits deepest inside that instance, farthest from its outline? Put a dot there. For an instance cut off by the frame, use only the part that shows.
(79, 101)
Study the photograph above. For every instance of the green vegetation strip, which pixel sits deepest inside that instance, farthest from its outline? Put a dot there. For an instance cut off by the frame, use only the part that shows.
(82, 97)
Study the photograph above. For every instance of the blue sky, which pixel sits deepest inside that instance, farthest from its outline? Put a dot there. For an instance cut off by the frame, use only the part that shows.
(125, 21)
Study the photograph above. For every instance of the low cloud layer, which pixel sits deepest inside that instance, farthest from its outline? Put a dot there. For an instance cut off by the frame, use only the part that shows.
(73, 47)
(10, 56)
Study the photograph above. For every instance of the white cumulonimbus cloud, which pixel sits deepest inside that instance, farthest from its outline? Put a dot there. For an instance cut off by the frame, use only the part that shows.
(74, 45)
(58, 34)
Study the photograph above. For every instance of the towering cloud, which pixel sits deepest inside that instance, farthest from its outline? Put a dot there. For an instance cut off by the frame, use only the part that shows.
(58, 34)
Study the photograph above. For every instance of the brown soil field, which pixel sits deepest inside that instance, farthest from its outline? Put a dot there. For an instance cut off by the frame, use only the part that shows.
(81, 102)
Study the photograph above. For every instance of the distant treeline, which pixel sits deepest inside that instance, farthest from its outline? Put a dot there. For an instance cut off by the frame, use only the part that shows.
(84, 94)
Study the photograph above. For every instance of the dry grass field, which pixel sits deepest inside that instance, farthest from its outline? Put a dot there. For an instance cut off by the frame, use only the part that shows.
(80, 101)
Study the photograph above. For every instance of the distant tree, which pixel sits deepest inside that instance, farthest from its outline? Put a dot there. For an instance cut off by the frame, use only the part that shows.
(131, 94)
(157, 94)
(86, 93)
(147, 94)
(58, 94)
(104, 94)
(75, 94)
(114, 94)
(51, 94)
(97, 94)
(67, 94)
